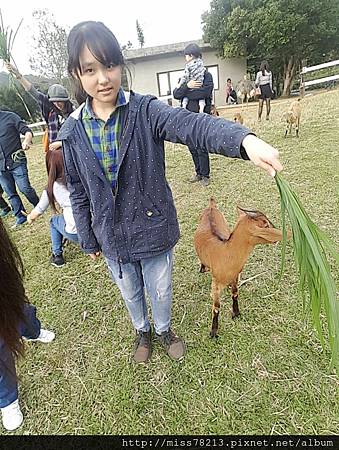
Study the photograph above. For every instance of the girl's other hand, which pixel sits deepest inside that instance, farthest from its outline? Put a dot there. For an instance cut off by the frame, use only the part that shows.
(193, 84)
(94, 256)
(55, 145)
(262, 154)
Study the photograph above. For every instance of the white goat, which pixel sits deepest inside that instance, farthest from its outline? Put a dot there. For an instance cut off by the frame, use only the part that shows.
(292, 116)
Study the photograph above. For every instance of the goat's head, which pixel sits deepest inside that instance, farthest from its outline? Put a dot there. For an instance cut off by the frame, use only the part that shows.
(258, 227)
(289, 117)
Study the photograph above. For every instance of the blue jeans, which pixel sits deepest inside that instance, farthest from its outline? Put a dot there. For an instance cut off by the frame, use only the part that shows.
(153, 274)
(18, 175)
(57, 227)
(8, 379)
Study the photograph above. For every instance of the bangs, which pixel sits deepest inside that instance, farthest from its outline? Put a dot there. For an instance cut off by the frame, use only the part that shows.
(101, 43)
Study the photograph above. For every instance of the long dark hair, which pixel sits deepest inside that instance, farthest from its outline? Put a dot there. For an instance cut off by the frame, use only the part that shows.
(12, 293)
(55, 170)
(102, 44)
(264, 66)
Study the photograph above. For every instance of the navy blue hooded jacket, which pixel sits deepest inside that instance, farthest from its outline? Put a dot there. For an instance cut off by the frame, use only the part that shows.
(138, 220)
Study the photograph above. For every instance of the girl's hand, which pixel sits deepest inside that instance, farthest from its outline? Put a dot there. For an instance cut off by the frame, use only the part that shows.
(193, 84)
(12, 70)
(262, 154)
(55, 145)
(30, 218)
(94, 256)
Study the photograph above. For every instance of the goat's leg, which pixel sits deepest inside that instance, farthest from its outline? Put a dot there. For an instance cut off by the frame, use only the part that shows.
(235, 305)
(215, 295)
(297, 127)
(286, 130)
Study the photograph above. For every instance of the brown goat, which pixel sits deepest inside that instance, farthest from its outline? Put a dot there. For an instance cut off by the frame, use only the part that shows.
(224, 253)
(238, 118)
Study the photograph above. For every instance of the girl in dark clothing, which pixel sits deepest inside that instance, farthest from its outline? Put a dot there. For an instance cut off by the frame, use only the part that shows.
(263, 81)
(17, 320)
(114, 159)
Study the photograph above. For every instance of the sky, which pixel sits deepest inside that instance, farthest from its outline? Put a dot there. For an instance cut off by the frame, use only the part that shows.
(162, 21)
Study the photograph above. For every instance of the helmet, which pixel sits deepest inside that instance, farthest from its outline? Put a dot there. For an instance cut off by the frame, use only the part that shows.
(57, 93)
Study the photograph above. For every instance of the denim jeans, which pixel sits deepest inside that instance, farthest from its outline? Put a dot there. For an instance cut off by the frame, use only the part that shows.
(201, 162)
(57, 227)
(8, 379)
(3, 204)
(153, 274)
(18, 175)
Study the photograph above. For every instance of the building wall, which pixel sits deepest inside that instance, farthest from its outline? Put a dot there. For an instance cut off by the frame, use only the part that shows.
(144, 72)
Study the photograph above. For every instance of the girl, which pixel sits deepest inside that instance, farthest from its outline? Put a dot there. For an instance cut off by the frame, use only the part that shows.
(61, 225)
(55, 106)
(17, 319)
(114, 159)
(263, 81)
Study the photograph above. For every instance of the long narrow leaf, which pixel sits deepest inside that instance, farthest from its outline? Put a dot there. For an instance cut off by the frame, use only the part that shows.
(315, 278)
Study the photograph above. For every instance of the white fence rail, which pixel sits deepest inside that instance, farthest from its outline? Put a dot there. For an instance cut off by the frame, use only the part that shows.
(304, 84)
(37, 125)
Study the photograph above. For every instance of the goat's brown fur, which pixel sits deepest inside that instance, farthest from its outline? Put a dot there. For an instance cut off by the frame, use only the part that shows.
(224, 253)
(238, 118)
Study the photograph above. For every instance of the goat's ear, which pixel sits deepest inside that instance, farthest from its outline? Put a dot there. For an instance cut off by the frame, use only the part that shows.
(252, 213)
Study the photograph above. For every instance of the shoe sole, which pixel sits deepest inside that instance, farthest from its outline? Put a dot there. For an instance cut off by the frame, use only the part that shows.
(57, 265)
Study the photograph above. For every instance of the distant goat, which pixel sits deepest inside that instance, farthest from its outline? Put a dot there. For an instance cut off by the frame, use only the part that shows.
(238, 118)
(214, 111)
(245, 89)
(224, 253)
(292, 116)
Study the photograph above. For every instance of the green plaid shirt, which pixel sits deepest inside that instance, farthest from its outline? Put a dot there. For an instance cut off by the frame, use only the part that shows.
(104, 137)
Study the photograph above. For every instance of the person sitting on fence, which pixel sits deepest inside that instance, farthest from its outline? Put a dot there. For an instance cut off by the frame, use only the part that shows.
(17, 320)
(62, 226)
(231, 95)
(194, 70)
(55, 106)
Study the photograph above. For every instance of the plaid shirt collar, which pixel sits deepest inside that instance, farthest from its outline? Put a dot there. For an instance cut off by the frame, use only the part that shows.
(88, 112)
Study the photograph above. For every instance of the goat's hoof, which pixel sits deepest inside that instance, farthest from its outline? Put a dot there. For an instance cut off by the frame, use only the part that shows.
(236, 315)
(213, 334)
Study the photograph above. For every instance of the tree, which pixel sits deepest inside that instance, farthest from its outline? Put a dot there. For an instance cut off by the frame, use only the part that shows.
(49, 58)
(127, 46)
(285, 32)
(10, 101)
(140, 34)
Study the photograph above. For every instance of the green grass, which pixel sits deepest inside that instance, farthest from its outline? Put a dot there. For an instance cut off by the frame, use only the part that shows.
(266, 373)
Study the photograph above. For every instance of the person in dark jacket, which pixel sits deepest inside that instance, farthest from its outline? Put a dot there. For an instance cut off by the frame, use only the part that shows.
(194, 90)
(13, 163)
(55, 107)
(114, 158)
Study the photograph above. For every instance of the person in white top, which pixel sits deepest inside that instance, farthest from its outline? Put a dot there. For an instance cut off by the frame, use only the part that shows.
(61, 225)
(263, 81)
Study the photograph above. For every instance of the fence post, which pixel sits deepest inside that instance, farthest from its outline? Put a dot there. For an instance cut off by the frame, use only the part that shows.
(302, 85)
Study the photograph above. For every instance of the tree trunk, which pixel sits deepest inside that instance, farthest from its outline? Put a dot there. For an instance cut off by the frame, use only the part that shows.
(289, 73)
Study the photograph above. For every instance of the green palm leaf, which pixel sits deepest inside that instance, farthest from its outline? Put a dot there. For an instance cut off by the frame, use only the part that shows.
(310, 244)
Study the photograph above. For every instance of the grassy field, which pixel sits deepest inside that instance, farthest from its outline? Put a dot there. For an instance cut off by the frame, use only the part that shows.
(266, 373)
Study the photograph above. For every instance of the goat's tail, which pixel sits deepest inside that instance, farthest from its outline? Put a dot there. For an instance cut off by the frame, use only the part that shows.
(213, 219)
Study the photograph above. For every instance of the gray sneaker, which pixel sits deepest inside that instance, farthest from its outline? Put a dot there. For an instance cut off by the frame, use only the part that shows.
(174, 346)
(195, 179)
(205, 181)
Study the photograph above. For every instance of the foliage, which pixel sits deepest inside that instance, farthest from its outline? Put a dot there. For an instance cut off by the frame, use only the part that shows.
(7, 38)
(49, 57)
(140, 34)
(10, 100)
(285, 32)
(314, 269)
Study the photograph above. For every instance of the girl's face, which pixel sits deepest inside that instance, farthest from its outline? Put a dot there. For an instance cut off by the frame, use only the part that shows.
(189, 58)
(59, 105)
(98, 81)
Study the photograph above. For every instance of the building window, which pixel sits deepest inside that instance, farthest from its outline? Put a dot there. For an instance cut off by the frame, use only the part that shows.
(167, 81)
(214, 71)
